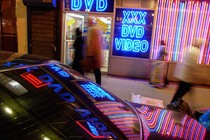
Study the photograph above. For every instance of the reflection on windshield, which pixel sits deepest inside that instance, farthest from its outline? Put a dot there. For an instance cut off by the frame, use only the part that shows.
(122, 117)
(165, 122)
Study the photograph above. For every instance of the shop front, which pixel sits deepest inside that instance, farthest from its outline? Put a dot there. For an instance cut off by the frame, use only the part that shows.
(75, 14)
(132, 42)
(138, 31)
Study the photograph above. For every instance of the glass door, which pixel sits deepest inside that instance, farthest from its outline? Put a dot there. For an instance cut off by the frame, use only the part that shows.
(72, 21)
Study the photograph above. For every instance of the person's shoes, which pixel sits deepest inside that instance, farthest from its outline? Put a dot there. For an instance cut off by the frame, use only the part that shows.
(150, 83)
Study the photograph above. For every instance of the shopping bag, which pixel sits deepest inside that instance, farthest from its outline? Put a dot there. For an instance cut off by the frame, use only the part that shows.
(88, 63)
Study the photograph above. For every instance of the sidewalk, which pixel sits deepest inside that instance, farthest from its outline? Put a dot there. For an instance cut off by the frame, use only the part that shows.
(122, 87)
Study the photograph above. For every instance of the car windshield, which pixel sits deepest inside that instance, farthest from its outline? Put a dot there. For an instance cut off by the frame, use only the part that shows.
(58, 98)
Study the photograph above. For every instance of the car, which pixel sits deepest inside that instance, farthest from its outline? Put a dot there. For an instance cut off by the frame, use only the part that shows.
(43, 99)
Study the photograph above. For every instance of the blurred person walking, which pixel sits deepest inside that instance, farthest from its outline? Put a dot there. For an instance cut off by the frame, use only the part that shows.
(159, 68)
(78, 45)
(187, 71)
(162, 56)
(162, 51)
(94, 48)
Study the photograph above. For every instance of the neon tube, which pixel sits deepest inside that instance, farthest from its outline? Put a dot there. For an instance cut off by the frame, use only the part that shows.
(175, 25)
(178, 23)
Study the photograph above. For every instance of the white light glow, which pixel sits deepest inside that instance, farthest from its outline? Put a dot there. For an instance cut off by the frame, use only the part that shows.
(8, 110)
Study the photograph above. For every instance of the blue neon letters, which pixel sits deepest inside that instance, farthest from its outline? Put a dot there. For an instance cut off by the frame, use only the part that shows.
(96, 92)
(136, 17)
(132, 33)
(59, 71)
(131, 45)
(101, 5)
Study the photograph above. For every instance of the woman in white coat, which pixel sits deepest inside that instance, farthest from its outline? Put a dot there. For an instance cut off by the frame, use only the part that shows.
(187, 70)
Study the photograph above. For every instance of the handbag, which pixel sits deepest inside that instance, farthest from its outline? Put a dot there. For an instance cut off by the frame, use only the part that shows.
(88, 63)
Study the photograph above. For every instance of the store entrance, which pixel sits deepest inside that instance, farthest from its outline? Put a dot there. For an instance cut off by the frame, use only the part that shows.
(72, 21)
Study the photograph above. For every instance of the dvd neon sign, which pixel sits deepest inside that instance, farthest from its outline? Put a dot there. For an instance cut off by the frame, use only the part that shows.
(132, 31)
(130, 37)
(91, 5)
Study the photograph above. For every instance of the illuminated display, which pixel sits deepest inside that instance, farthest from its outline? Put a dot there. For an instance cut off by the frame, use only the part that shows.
(96, 92)
(90, 5)
(178, 22)
(132, 33)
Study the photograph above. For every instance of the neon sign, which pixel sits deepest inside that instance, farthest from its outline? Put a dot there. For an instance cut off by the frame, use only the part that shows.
(96, 92)
(33, 80)
(132, 33)
(90, 5)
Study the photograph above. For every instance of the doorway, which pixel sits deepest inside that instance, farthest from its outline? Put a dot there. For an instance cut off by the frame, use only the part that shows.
(73, 20)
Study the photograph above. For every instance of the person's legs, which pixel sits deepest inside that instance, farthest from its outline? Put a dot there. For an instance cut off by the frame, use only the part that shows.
(97, 73)
(181, 91)
(166, 82)
(77, 66)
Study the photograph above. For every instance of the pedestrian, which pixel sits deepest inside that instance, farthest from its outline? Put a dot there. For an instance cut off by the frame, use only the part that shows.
(94, 48)
(162, 51)
(78, 45)
(161, 57)
(158, 72)
(187, 71)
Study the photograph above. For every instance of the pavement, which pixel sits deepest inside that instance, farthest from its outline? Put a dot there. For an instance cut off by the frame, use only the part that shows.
(198, 98)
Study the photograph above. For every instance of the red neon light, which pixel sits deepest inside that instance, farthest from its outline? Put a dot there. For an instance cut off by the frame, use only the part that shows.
(88, 131)
(33, 80)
